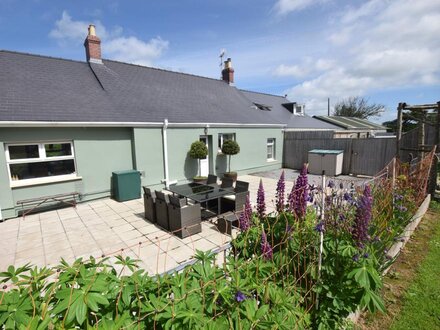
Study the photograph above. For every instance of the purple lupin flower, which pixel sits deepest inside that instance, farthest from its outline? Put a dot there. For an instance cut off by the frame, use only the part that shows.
(363, 217)
(300, 194)
(281, 185)
(244, 220)
(261, 204)
(266, 249)
(319, 227)
(240, 296)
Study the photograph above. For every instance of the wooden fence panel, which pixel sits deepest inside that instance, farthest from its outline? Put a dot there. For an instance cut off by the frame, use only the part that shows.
(369, 156)
(361, 156)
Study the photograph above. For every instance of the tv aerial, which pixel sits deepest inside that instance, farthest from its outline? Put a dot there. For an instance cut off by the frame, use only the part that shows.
(222, 54)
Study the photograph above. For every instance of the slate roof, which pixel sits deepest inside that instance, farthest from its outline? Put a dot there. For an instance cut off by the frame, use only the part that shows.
(351, 123)
(40, 88)
(279, 113)
(36, 88)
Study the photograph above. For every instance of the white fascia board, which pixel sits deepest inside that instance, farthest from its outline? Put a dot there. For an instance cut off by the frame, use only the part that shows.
(308, 129)
(126, 124)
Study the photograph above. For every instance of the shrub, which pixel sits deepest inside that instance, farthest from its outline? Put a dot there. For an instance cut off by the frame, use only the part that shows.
(230, 148)
(198, 150)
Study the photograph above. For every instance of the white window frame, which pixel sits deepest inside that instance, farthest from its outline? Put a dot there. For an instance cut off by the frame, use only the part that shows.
(271, 142)
(298, 109)
(42, 158)
(221, 138)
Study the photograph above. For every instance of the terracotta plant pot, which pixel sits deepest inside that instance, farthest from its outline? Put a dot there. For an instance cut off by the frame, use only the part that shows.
(231, 175)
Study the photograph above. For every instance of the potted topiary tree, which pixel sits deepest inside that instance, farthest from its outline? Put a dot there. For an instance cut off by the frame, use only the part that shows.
(198, 151)
(230, 148)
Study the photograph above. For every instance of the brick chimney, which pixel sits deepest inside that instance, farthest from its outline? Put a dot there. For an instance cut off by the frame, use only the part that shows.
(228, 72)
(93, 46)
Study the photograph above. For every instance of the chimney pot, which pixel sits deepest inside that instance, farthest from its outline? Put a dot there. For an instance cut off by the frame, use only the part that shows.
(92, 30)
(228, 72)
(93, 46)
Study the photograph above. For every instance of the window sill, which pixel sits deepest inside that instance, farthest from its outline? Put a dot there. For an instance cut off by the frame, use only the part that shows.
(271, 160)
(41, 181)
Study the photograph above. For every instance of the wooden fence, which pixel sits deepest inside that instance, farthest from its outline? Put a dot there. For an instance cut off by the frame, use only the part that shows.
(361, 156)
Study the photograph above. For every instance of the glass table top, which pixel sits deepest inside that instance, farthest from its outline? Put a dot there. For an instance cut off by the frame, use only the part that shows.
(199, 192)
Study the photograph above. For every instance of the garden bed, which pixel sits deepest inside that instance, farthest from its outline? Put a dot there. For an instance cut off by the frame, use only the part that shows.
(397, 247)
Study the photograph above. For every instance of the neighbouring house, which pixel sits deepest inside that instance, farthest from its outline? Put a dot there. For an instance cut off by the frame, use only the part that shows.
(66, 125)
(351, 127)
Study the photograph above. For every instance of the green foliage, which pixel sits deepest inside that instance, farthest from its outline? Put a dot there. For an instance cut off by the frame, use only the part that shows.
(421, 303)
(198, 150)
(230, 148)
(358, 107)
(92, 294)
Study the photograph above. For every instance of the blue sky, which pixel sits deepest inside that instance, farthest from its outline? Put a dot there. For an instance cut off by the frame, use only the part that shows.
(388, 51)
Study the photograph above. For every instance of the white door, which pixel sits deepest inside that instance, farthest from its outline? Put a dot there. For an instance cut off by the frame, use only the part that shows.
(204, 163)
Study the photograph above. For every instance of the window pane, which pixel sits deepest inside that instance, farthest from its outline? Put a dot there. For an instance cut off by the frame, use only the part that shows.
(59, 149)
(42, 169)
(227, 137)
(23, 152)
(269, 152)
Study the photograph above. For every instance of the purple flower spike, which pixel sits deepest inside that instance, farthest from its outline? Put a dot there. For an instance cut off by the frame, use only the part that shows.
(261, 204)
(319, 227)
(300, 194)
(363, 217)
(281, 185)
(331, 184)
(245, 217)
(266, 249)
(240, 296)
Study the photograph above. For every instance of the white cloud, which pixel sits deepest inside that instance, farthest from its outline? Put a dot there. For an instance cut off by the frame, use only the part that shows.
(286, 6)
(133, 50)
(66, 29)
(295, 71)
(381, 45)
(114, 45)
(307, 68)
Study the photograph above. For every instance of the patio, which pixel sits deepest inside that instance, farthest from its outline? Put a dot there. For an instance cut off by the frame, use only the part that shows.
(107, 227)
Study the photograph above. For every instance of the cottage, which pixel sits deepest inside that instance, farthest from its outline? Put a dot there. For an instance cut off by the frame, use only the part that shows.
(66, 125)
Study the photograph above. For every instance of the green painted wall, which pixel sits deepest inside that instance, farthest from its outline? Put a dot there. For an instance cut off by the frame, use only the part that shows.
(148, 150)
(98, 152)
(252, 156)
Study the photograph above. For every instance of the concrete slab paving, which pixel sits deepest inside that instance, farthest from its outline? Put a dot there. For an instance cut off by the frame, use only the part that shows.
(107, 228)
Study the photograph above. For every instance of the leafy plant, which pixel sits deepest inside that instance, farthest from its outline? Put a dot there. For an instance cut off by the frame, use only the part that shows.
(230, 148)
(198, 151)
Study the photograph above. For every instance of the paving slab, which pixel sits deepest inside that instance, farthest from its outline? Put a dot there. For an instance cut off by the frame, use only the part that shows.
(106, 228)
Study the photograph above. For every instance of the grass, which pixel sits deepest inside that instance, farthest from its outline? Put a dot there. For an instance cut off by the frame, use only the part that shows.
(412, 287)
(421, 309)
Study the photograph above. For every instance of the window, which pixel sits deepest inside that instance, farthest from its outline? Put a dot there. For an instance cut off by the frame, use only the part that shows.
(299, 109)
(263, 107)
(270, 149)
(222, 137)
(40, 160)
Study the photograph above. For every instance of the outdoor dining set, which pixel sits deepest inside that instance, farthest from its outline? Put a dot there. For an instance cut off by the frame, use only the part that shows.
(180, 209)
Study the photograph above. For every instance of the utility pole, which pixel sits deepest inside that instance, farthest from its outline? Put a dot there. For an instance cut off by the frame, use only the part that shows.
(328, 106)
(399, 128)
